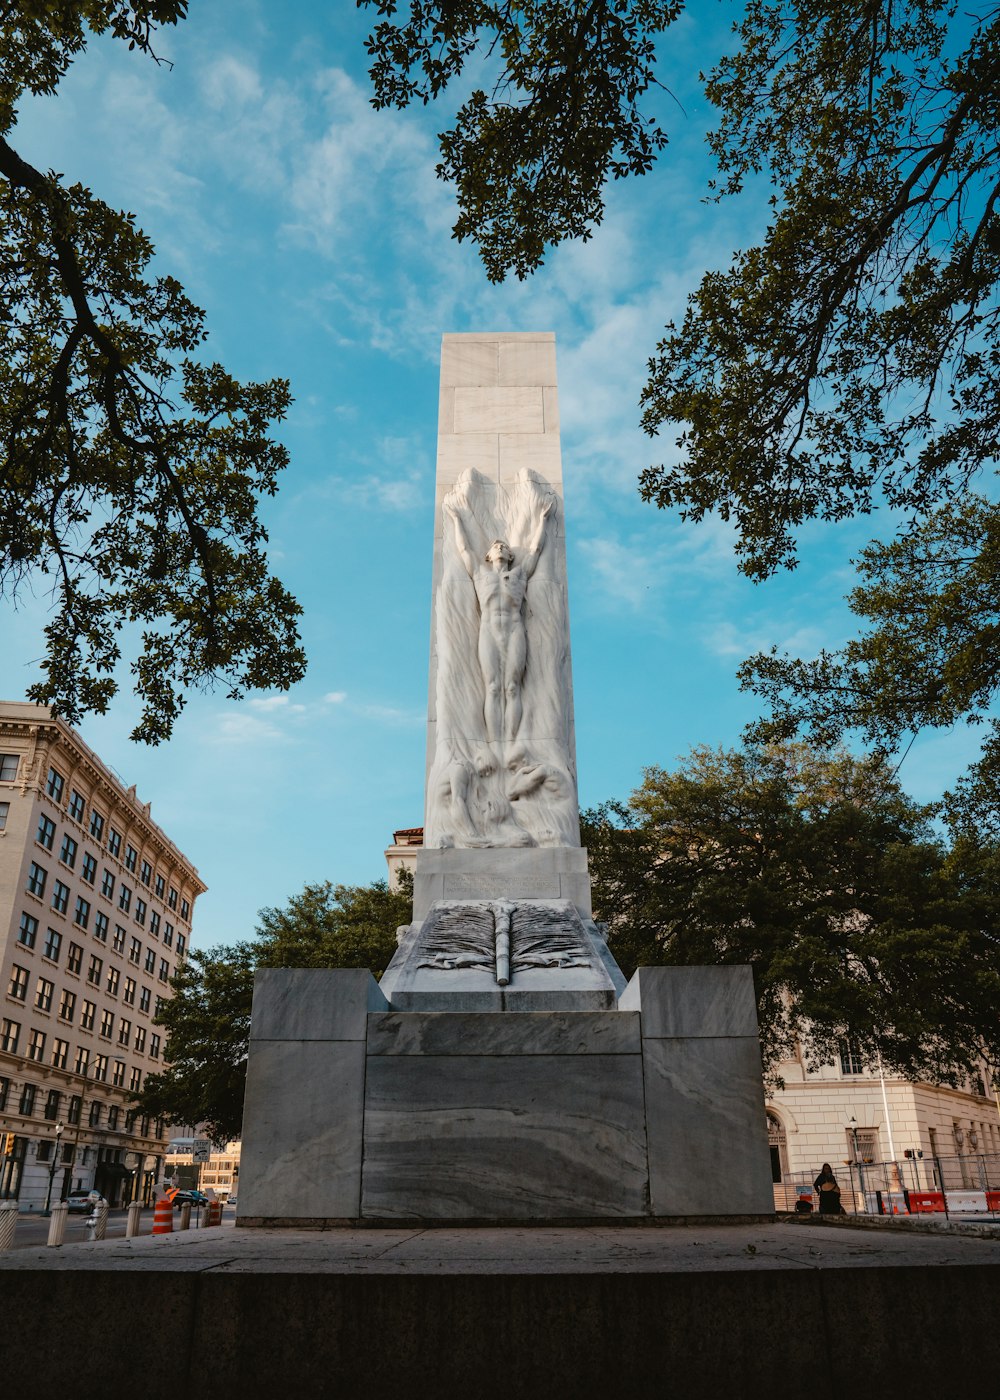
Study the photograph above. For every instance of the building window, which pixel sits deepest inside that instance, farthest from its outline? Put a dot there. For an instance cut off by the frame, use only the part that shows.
(160, 886)
(131, 856)
(140, 1039)
(118, 1077)
(10, 1034)
(154, 923)
(144, 999)
(74, 1109)
(101, 1068)
(158, 1006)
(81, 915)
(53, 942)
(36, 1046)
(140, 911)
(113, 976)
(4, 1091)
(8, 767)
(88, 1014)
(154, 1046)
(164, 970)
(150, 964)
(185, 911)
(46, 832)
(4, 814)
(113, 1118)
(44, 1151)
(74, 958)
(146, 872)
(101, 926)
(94, 970)
(28, 930)
(60, 897)
(863, 1144)
(55, 785)
(96, 824)
(172, 898)
(37, 876)
(134, 1084)
(128, 995)
(168, 933)
(51, 1110)
(18, 985)
(107, 1025)
(94, 1116)
(77, 806)
(60, 1053)
(850, 1058)
(118, 942)
(82, 1059)
(67, 853)
(124, 898)
(135, 951)
(44, 993)
(114, 842)
(181, 945)
(124, 1031)
(27, 1104)
(89, 870)
(67, 1006)
(108, 885)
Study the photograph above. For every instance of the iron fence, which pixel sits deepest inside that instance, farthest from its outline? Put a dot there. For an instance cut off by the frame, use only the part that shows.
(966, 1184)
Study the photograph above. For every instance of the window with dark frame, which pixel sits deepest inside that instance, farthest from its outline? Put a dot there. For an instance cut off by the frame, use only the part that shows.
(37, 875)
(131, 856)
(53, 942)
(96, 824)
(8, 767)
(10, 1034)
(27, 1103)
(36, 1046)
(77, 806)
(81, 914)
(101, 926)
(87, 1015)
(108, 885)
(27, 930)
(74, 958)
(88, 870)
(44, 992)
(55, 784)
(17, 987)
(67, 1005)
(60, 897)
(82, 1059)
(67, 853)
(46, 833)
(114, 842)
(73, 1111)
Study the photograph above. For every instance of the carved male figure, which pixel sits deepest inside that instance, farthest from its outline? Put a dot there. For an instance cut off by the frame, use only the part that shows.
(501, 584)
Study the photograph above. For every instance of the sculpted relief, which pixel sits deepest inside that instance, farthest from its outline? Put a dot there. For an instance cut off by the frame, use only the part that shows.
(502, 771)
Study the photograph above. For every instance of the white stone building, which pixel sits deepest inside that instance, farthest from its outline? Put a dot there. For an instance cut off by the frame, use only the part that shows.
(95, 916)
(846, 1114)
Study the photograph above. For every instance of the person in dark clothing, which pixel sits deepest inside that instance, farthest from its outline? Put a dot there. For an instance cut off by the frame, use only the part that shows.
(828, 1192)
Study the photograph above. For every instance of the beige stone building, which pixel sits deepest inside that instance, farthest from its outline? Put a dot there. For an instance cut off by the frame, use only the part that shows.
(847, 1115)
(95, 916)
(220, 1173)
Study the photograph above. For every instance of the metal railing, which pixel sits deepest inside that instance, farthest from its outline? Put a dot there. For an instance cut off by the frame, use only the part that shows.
(966, 1184)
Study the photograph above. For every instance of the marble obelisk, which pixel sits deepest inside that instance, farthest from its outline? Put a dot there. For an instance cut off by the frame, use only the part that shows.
(501, 817)
(501, 1069)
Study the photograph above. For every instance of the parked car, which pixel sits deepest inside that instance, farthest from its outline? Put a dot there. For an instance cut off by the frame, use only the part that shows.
(83, 1202)
(194, 1198)
(231, 1201)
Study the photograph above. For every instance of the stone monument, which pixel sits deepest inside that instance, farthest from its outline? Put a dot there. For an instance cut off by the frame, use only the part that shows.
(502, 1069)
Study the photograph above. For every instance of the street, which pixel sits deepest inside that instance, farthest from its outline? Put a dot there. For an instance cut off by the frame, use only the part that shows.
(33, 1230)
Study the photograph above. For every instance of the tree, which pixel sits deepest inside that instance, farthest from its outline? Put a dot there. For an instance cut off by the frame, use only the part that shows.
(131, 472)
(208, 1018)
(850, 361)
(820, 873)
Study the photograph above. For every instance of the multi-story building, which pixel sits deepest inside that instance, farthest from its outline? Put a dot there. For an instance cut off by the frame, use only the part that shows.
(95, 917)
(220, 1173)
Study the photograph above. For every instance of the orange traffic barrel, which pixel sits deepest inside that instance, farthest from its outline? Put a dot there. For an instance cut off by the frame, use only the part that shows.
(163, 1217)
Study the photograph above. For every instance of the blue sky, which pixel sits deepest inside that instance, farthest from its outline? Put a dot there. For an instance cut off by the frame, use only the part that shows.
(313, 231)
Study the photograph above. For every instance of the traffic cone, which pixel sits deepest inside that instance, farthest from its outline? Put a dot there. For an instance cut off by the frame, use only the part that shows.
(163, 1217)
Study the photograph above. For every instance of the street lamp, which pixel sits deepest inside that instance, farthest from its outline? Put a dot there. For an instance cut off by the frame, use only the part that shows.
(52, 1169)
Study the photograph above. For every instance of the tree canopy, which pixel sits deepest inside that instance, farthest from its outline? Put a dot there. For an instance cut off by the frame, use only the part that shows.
(848, 363)
(207, 1021)
(818, 871)
(131, 470)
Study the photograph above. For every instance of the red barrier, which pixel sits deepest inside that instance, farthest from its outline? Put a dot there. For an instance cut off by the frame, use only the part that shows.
(993, 1200)
(926, 1202)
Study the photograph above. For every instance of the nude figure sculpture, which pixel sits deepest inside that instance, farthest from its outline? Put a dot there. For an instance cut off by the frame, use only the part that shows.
(501, 583)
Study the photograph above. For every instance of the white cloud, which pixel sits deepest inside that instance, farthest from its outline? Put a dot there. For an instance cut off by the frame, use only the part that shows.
(335, 697)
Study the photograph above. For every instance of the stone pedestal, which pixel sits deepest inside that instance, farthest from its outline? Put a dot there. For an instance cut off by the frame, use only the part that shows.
(356, 1111)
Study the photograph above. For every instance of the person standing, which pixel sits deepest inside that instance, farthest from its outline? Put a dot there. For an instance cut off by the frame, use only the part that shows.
(828, 1192)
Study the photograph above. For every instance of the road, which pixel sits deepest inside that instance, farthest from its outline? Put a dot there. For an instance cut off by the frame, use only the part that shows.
(33, 1230)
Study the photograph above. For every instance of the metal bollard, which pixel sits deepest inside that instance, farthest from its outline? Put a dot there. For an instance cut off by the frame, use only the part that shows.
(185, 1216)
(8, 1219)
(132, 1222)
(57, 1224)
